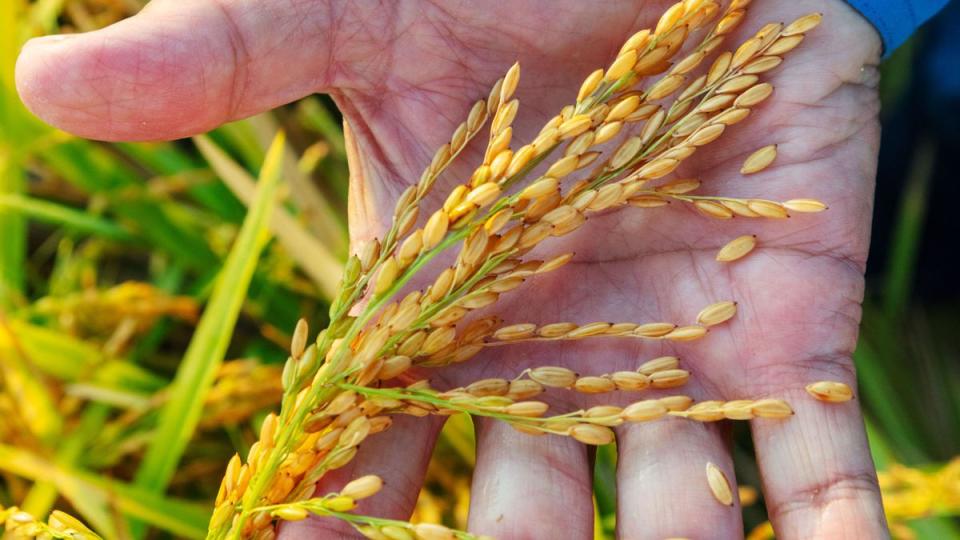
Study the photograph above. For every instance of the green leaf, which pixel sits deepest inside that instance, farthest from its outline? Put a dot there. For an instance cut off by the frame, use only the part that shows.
(62, 215)
(312, 255)
(13, 247)
(180, 415)
(95, 496)
(905, 247)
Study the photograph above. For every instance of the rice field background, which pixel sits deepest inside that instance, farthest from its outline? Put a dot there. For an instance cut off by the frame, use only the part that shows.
(111, 322)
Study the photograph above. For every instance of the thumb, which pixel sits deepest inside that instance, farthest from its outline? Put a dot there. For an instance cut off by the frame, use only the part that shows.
(180, 68)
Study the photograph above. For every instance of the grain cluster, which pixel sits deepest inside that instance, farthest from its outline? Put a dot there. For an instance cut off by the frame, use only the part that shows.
(667, 93)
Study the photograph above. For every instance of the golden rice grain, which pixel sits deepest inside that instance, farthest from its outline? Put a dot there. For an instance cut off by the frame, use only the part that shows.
(554, 330)
(831, 391)
(510, 81)
(716, 103)
(560, 215)
(590, 84)
(356, 431)
(561, 168)
(653, 62)
(554, 263)
(554, 376)
(630, 380)
(804, 205)
(438, 339)
(432, 531)
(686, 333)
(657, 168)
(719, 485)
(521, 158)
(498, 221)
(489, 387)
(542, 187)
(713, 209)
(739, 208)
(687, 126)
(621, 66)
(785, 44)
(803, 24)
(607, 132)
(689, 62)
(648, 201)
(664, 87)
(485, 194)
(290, 513)
(737, 84)
(651, 127)
(745, 52)
(574, 126)
(662, 363)
(738, 409)
(591, 329)
(601, 411)
(626, 152)
(669, 18)
(594, 385)
(772, 408)
(636, 41)
(676, 403)
(522, 389)
(717, 313)
(368, 253)
(363, 487)
(754, 95)
(298, 343)
(705, 411)
(515, 331)
(731, 116)
(592, 434)
(719, 67)
(670, 378)
(737, 248)
(504, 116)
(759, 160)
(624, 108)
(762, 64)
(530, 409)
(768, 209)
(644, 411)
(706, 134)
(498, 144)
(410, 247)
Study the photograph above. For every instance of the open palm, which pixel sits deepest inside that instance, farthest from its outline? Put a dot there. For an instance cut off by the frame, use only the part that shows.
(404, 74)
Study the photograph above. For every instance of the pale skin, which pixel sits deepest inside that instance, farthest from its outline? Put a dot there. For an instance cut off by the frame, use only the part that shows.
(404, 74)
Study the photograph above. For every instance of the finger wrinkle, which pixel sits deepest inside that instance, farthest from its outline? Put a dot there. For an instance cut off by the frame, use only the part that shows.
(832, 508)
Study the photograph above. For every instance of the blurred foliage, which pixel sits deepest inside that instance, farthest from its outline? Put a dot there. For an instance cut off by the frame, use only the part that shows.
(110, 252)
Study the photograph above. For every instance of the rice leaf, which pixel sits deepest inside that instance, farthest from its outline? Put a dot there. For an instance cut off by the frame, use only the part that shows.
(180, 415)
(312, 255)
(94, 496)
(62, 215)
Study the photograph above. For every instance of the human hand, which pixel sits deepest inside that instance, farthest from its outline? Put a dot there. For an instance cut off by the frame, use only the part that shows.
(404, 74)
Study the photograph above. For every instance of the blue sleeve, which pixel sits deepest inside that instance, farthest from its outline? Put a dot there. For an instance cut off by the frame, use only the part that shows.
(896, 20)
